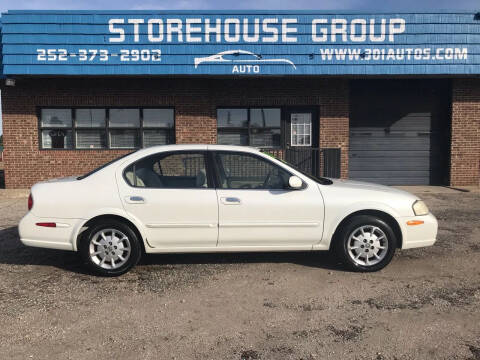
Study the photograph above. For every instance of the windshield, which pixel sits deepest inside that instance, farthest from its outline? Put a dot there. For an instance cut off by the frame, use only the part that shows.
(101, 167)
(320, 180)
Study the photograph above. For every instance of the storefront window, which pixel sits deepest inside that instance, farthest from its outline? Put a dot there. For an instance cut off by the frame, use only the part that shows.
(90, 118)
(125, 118)
(158, 127)
(57, 139)
(259, 127)
(90, 128)
(90, 139)
(56, 125)
(103, 128)
(158, 118)
(232, 118)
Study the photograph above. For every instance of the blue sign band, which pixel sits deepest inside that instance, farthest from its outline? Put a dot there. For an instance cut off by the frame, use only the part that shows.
(238, 43)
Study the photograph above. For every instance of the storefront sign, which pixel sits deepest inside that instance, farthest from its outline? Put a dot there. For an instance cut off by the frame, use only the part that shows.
(255, 43)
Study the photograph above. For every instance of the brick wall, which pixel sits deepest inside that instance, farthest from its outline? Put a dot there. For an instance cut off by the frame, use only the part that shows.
(195, 101)
(465, 145)
(334, 124)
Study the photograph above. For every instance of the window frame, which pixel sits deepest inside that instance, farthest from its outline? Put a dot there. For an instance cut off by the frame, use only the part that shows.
(171, 131)
(211, 182)
(214, 163)
(249, 127)
(310, 135)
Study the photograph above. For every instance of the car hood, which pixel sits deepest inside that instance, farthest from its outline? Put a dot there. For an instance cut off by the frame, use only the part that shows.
(347, 196)
(361, 185)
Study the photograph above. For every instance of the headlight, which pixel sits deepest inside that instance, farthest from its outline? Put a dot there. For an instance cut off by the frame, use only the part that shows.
(420, 208)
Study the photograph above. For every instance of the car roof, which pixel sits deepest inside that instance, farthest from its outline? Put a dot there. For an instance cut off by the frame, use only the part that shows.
(180, 147)
(233, 148)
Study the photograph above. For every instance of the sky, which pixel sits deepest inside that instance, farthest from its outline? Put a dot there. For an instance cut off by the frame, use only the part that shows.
(415, 5)
(372, 5)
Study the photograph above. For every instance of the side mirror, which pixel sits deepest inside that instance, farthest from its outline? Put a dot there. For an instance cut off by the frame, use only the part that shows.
(294, 182)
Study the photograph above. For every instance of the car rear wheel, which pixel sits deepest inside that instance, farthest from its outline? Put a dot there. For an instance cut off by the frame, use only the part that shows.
(110, 248)
(365, 243)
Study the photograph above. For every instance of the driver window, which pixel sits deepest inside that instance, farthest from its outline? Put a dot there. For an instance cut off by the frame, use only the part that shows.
(243, 171)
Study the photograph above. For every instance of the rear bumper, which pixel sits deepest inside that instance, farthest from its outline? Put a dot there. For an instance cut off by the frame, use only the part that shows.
(415, 236)
(60, 237)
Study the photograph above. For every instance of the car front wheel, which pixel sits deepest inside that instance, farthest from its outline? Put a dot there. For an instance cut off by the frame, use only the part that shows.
(110, 248)
(365, 243)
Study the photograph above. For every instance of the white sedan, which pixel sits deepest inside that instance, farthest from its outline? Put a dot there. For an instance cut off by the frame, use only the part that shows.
(214, 198)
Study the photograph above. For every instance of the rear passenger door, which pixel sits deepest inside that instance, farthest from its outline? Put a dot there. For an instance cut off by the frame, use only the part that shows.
(171, 194)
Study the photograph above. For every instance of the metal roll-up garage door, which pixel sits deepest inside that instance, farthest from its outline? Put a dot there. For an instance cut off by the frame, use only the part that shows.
(399, 131)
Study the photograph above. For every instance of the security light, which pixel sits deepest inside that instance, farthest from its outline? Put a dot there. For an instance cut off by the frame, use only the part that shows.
(9, 82)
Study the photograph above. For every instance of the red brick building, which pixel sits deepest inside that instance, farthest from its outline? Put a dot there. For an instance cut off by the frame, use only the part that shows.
(393, 128)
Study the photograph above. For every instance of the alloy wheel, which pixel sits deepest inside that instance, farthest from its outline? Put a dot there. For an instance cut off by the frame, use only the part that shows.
(367, 245)
(109, 249)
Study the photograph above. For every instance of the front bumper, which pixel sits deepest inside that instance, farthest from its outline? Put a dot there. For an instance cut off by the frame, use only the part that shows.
(415, 236)
(60, 237)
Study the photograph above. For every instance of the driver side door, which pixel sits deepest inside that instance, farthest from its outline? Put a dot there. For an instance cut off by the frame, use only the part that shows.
(256, 207)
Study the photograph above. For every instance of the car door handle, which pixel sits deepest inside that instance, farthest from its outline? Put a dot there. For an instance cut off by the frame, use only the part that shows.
(135, 200)
(230, 201)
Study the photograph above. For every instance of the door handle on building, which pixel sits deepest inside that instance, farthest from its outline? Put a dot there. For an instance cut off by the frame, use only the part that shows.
(230, 201)
(135, 200)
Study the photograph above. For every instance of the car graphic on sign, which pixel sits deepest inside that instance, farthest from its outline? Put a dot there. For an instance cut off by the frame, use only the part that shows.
(233, 56)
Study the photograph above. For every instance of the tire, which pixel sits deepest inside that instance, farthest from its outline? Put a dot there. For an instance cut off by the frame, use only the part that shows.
(365, 243)
(110, 248)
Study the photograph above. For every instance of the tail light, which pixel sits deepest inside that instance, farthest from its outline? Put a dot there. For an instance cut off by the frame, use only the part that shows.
(30, 202)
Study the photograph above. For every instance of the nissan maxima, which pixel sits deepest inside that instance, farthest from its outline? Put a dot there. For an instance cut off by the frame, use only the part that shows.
(214, 198)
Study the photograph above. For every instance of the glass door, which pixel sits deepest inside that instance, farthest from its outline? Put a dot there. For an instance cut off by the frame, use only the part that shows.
(301, 127)
(301, 139)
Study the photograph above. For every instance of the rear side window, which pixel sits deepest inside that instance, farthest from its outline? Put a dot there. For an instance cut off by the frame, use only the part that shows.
(179, 170)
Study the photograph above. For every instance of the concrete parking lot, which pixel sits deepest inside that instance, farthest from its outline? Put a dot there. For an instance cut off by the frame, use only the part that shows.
(425, 305)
